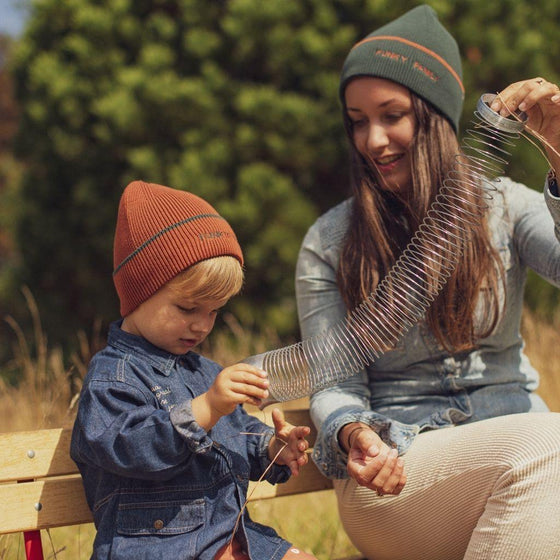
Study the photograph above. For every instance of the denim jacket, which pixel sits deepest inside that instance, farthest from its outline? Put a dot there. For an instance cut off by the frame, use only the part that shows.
(418, 385)
(159, 485)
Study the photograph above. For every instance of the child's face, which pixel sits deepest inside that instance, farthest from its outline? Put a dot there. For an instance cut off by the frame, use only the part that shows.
(172, 321)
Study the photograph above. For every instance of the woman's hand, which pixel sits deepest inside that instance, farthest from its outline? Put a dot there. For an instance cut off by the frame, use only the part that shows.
(540, 99)
(288, 445)
(371, 463)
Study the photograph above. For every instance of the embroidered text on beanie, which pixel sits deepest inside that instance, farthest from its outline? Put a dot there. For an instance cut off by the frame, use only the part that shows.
(416, 51)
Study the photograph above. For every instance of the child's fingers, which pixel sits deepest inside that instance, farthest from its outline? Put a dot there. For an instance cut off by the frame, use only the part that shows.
(246, 374)
(250, 378)
(254, 401)
(294, 468)
(296, 464)
(287, 430)
(249, 368)
(303, 459)
(240, 392)
(252, 394)
(302, 445)
(278, 419)
(301, 432)
(250, 384)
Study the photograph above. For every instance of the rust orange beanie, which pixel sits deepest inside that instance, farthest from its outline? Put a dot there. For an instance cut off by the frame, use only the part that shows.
(160, 232)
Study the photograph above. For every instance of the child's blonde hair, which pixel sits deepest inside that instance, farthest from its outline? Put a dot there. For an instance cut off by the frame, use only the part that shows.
(218, 278)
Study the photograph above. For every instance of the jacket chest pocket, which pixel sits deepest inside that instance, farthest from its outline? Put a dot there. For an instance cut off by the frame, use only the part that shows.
(160, 518)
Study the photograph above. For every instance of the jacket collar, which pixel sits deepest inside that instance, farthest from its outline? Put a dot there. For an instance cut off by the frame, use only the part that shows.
(129, 343)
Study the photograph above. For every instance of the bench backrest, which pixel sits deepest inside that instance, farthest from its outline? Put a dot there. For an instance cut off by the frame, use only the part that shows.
(40, 486)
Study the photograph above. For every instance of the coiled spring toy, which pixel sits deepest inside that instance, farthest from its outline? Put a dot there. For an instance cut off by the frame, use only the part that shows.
(403, 296)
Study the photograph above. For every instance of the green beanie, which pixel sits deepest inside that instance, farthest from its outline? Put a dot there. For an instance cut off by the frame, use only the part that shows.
(416, 51)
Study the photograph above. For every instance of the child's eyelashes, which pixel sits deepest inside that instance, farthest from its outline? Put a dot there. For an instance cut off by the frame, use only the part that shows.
(186, 309)
(192, 310)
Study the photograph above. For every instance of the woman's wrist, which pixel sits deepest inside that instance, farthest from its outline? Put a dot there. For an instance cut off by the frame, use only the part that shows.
(348, 434)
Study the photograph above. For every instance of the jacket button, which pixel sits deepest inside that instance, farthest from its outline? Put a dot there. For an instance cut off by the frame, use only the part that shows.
(158, 524)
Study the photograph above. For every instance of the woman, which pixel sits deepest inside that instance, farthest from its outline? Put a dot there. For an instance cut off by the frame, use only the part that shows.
(486, 486)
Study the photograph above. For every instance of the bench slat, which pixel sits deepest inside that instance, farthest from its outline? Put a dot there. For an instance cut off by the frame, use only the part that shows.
(62, 502)
(44, 454)
(309, 479)
(30, 455)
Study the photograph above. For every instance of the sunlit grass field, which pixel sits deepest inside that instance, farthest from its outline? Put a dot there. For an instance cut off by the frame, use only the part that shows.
(47, 396)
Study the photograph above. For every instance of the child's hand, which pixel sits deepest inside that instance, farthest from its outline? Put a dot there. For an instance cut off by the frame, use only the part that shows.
(371, 463)
(234, 385)
(290, 440)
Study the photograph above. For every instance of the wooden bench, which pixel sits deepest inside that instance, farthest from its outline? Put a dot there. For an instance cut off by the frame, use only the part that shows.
(41, 488)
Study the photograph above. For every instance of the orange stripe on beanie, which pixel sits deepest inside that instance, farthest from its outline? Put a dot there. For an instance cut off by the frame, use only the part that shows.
(416, 51)
(160, 232)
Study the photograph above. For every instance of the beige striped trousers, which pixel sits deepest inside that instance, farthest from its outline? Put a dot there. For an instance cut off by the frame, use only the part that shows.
(487, 490)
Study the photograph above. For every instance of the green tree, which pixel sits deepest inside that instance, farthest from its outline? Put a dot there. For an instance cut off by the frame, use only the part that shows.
(10, 172)
(235, 100)
(194, 94)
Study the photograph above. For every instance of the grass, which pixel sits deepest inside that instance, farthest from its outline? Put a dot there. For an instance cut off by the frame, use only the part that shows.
(46, 397)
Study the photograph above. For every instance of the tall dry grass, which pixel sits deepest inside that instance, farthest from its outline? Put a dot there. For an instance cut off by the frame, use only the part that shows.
(47, 393)
(48, 384)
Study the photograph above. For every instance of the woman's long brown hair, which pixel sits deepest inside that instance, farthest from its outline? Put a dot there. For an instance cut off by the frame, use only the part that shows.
(382, 224)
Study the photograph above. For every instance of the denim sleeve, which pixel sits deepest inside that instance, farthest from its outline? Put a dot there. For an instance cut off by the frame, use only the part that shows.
(182, 419)
(257, 440)
(320, 307)
(319, 303)
(536, 222)
(121, 431)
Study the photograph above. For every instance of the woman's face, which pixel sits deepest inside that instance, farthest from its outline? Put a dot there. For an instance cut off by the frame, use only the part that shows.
(383, 126)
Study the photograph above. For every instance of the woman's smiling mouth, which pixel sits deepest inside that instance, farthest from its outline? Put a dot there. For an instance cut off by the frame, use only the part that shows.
(387, 163)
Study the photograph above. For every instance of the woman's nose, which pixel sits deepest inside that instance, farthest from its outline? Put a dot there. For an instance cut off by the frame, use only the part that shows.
(377, 138)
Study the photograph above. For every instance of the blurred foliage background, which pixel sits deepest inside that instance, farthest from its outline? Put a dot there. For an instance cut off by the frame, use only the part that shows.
(234, 100)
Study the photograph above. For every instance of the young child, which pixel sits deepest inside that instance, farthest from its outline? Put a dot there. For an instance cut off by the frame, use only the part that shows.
(164, 447)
